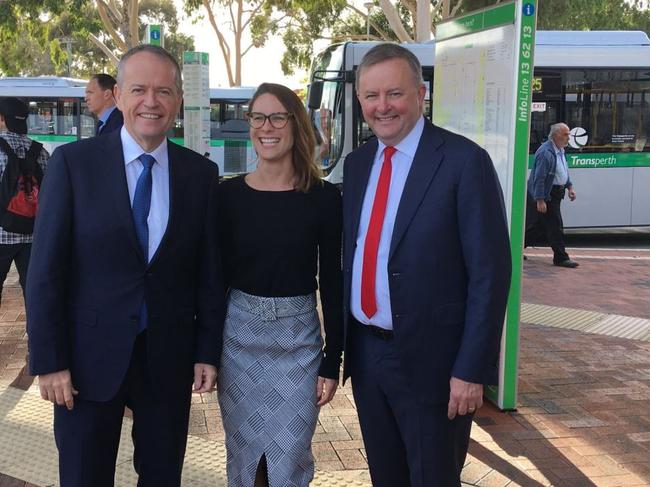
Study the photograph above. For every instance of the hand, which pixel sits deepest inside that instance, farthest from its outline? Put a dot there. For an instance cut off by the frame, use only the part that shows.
(464, 397)
(572, 194)
(325, 390)
(57, 388)
(205, 378)
(541, 206)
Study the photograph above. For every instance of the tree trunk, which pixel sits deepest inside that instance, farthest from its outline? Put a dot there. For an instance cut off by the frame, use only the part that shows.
(394, 21)
(423, 23)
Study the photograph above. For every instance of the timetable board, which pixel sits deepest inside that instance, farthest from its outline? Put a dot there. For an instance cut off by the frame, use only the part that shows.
(196, 101)
(483, 90)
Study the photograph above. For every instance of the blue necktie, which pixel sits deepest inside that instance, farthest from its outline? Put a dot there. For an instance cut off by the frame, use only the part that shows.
(99, 127)
(141, 206)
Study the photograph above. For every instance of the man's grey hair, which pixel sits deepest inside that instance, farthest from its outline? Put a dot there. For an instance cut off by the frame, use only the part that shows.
(156, 51)
(555, 128)
(385, 52)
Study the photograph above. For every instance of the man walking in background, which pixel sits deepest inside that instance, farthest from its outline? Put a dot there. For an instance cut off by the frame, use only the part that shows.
(548, 181)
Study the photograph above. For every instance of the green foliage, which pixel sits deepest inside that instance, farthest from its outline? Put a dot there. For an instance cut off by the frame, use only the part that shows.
(592, 15)
(337, 23)
(32, 33)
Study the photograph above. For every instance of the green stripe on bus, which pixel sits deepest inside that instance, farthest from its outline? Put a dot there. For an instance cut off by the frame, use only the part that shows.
(487, 19)
(52, 138)
(599, 160)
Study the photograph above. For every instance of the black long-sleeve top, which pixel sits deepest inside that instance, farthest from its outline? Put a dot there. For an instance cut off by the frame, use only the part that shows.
(274, 243)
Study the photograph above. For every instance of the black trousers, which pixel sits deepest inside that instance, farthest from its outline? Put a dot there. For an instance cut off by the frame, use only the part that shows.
(547, 226)
(408, 443)
(18, 253)
(88, 436)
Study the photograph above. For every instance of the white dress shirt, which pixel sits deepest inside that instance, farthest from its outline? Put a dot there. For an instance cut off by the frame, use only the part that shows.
(159, 210)
(401, 165)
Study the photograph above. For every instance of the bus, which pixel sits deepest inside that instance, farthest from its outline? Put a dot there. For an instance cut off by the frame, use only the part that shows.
(598, 82)
(58, 114)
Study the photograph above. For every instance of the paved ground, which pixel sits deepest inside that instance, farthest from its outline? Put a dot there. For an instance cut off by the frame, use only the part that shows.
(584, 406)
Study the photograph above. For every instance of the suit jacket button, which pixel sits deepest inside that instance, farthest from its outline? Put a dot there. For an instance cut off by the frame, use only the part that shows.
(135, 320)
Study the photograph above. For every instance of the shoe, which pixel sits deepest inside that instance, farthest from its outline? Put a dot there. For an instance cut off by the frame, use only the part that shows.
(569, 264)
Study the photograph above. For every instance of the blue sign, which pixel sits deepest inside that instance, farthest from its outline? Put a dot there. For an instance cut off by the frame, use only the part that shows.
(529, 9)
(155, 34)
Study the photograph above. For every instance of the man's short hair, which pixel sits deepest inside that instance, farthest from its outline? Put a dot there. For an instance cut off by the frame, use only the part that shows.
(385, 52)
(555, 128)
(105, 81)
(156, 51)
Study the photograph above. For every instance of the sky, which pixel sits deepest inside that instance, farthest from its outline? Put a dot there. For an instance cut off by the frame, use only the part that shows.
(259, 65)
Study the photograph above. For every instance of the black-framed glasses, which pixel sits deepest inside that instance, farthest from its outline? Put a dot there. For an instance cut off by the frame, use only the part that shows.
(277, 120)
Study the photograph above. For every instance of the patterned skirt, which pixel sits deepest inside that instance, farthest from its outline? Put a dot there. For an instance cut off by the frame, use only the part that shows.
(267, 387)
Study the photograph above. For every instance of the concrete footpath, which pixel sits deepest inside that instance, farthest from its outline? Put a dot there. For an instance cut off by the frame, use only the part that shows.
(583, 416)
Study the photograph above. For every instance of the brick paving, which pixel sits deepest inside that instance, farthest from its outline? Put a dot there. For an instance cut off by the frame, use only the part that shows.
(583, 417)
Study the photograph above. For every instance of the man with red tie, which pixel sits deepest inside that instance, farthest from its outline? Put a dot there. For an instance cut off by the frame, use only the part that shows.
(427, 272)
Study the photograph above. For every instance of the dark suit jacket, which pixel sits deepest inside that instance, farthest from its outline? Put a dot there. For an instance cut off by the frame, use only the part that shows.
(88, 277)
(114, 122)
(449, 262)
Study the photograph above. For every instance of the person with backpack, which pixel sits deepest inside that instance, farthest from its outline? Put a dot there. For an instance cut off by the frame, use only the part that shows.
(22, 164)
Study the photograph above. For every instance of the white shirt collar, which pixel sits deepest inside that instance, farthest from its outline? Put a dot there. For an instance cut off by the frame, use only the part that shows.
(132, 149)
(557, 149)
(409, 144)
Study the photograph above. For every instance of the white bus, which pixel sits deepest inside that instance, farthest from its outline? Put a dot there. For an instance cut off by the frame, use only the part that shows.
(58, 114)
(596, 82)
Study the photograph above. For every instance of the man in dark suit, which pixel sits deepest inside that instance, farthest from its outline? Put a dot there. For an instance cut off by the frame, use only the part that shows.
(101, 102)
(124, 295)
(427, 272)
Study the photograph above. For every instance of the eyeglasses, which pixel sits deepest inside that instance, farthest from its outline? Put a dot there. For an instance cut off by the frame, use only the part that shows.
(277, 120)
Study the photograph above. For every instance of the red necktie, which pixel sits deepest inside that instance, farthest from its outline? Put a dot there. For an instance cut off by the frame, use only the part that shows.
(369, 271)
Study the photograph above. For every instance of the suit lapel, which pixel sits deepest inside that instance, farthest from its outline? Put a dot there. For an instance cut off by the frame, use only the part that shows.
(112, 156)
(362, 168)
(425, 164)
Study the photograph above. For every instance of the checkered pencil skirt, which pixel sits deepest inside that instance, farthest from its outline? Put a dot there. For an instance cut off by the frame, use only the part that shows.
(267, 387)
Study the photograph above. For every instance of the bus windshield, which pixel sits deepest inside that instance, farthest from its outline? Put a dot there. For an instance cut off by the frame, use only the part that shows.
(328, 117)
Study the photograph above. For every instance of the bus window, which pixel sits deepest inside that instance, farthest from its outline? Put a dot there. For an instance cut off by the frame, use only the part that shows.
(328, 120)
(66, 122)
(215, 117)
(42, 116)
(87, 122)
(611, 107)
(234, 111)
(547, 105)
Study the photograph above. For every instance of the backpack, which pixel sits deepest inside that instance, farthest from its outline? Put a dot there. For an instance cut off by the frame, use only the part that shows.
(19, 188)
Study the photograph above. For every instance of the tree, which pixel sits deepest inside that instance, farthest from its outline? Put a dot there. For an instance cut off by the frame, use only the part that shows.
(337, 21)
(98, 31)
(241, 15)
(593, 15)
(303, 22)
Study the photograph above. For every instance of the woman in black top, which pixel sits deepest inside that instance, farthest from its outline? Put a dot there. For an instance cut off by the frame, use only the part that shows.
(281, 226)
